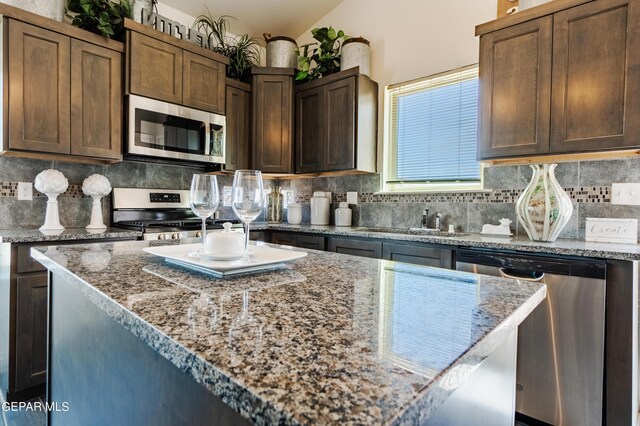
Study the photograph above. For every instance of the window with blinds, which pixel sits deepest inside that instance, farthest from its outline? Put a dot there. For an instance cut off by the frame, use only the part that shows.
(431, 133)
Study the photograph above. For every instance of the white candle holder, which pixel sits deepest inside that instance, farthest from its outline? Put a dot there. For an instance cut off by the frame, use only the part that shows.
(96, 186)
(52, 183)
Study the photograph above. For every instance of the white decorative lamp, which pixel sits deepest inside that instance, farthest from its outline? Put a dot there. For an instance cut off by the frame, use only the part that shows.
(52, 183)
(96, 186)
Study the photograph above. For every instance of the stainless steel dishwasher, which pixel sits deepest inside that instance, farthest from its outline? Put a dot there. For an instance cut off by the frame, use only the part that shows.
(560, 364)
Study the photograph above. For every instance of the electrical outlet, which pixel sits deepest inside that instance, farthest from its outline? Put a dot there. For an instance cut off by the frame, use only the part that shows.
(352, 197)
(25, 191)
(625, 193)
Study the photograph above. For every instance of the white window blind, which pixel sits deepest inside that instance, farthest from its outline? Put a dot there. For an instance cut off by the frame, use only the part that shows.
(432, 130)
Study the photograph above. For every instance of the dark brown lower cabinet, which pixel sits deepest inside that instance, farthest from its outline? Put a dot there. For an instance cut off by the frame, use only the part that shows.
(418, 254)
(259, 236)
(356, 247)
(313, 242)
(31, 331)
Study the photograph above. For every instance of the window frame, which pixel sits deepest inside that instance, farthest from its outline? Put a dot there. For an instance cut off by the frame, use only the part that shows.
(390, 146)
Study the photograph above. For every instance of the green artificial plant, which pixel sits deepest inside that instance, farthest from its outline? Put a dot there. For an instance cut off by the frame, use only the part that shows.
(104, 17)
(243, 51)
(324, 58)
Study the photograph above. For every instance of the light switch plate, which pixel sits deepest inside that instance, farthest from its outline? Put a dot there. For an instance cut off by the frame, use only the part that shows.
(25, 191)
(625, 193)
(352, 197)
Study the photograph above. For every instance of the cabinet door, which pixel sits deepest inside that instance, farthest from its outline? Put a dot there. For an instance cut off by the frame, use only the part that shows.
(283, 238)
(155, 68)
(596, 77)
(418, 254)
(31, 331)
(272, 123)
(204, 83)
(515, 90)
(314, 242)
(364, 248)
(310, 130)
(238, 107)
(259, 236)
(339, 125)
(39, 92)
(96, 101)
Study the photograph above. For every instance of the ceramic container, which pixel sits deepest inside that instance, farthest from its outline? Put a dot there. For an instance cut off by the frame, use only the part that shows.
(52, 183)
(225, 243)
(343, 214)
(281, 52)
(356, 53)
(96, 186)
(320, 208)
(543, 209)
(52, 9)
(274, 205)
(294, 214)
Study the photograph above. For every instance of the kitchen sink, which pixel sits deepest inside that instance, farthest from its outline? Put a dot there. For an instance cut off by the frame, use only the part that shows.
(411, 231)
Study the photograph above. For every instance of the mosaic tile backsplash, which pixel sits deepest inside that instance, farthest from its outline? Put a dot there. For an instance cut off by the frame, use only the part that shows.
(587, 183)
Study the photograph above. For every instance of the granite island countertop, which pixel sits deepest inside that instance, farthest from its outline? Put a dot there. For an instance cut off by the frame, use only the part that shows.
(564, 247)
(341, 339)
(68, 234)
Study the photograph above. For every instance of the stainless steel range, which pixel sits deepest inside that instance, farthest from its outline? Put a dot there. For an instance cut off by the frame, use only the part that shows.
(159, 213)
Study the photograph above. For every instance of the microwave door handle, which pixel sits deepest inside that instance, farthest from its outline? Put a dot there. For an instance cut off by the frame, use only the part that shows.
(207, 139)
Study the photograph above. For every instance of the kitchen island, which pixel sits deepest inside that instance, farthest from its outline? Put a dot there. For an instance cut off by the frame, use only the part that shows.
(328, 339)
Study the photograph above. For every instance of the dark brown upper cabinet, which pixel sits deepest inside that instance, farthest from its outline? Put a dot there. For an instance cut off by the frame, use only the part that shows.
(96, 101)
(64, 97)
(172, 70)
(561, 78)
(272, 119)
(336, 124)
(238, 108)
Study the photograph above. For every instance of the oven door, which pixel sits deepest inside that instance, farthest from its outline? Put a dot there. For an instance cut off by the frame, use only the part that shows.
(164, 130)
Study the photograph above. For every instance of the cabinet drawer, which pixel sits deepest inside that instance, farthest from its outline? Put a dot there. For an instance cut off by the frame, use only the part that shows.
(25, 263)
(418, 254)
(355, 247)
(313, 242)
(283, 238)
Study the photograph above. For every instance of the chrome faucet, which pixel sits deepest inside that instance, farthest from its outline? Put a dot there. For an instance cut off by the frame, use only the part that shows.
(424, 223)
(438, 220)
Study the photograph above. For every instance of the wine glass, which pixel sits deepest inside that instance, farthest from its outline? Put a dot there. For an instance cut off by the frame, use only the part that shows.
(247, 200)
(204, 199)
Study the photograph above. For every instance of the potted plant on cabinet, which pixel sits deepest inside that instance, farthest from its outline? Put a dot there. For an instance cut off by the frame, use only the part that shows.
(104, 17)
(323, 59)
(243, 51)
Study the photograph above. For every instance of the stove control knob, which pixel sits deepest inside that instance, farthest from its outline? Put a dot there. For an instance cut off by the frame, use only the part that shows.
(162, 236)
(175, 236)
(199, 234)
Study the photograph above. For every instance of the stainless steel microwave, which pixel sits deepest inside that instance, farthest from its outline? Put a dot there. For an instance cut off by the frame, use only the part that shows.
(169, 131)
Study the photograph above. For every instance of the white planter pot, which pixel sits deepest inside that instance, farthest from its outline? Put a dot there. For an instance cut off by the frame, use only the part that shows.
(281, 52)
(526, 4)
(356, 53)
(52, 9)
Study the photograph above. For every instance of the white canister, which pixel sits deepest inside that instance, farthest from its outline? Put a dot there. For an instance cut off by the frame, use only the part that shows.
(225, 243)
(52, 9)
(527, 4)
(343, 214)
(294, 214)
(320, 208)
(356, 53)
(281, 52)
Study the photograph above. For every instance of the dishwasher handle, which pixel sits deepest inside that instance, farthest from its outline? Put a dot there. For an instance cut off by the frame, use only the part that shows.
(533, 276)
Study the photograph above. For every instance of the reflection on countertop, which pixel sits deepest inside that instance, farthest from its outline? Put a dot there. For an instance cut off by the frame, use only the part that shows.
(328, 339)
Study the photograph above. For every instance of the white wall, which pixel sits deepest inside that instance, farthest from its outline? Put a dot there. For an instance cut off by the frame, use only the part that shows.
(410, 38)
